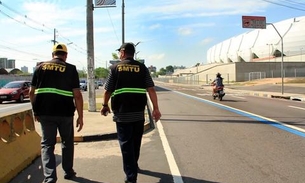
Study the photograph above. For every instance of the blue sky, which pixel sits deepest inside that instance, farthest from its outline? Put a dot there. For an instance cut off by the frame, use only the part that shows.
(171, 32)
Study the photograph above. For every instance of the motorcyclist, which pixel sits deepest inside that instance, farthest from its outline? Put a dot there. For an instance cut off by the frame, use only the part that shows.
(217, 82)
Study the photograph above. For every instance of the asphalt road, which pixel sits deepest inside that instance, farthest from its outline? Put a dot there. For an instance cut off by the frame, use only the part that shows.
(235, 140)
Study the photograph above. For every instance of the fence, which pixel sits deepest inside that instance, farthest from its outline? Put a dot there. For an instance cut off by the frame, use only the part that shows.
(227, 78)
(8, 78)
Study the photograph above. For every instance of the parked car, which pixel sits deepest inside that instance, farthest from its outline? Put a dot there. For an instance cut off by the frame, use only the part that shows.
(96, 85)
(15, 90)
(100, 83)
(83, 85)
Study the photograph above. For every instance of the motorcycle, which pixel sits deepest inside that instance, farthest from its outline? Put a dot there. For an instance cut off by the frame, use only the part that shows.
(219, 93)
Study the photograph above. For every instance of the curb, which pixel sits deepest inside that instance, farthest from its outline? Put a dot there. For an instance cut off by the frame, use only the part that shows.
(272, 95)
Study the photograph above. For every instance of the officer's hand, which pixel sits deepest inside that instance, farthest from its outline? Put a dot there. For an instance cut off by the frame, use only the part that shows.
(79, 124)
(105, 110)
(156, 115)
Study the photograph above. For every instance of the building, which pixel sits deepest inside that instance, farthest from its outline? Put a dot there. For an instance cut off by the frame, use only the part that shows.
(152, 69)
(263, 45)
(11, 63)
(25, 69)
(7, 63)
(3, 62)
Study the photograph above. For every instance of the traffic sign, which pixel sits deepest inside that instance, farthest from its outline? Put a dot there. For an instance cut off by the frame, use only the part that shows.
(255, 22)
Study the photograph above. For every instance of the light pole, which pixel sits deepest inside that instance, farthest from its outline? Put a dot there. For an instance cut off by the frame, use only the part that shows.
(136, 55)
(282, 55)
(136, 48)
(301, 53)
(269, 50)
(137, 44)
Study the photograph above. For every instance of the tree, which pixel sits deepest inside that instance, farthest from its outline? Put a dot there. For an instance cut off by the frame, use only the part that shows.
(198, 64)
(82, 73)
(162, 72)
(115, 56)
(169, 69)
(101, 72)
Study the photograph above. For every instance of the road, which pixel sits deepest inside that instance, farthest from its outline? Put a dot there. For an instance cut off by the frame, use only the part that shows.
(242, 139)
(234, 140)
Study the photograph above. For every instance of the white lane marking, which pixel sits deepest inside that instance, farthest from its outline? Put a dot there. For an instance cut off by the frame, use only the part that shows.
(168, 152)
(232, 95)
(245, 112)
(296, 107)
(169, 155)
(238, 97)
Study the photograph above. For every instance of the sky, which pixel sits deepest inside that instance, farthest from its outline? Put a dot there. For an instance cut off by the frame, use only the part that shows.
(168, 32)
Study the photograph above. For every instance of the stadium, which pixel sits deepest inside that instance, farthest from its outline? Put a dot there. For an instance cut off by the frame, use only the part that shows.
(255, 54)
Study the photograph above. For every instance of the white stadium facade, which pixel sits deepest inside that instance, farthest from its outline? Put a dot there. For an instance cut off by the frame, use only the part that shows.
(255, 54)
(263, 44)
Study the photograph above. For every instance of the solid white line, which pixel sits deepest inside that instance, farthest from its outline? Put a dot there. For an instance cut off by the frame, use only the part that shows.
(169, 155)
(245, 112)
(238, 97)
(296, 107)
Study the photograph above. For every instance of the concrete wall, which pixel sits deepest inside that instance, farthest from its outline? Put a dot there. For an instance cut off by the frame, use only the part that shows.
(19, 143)
(236, 72)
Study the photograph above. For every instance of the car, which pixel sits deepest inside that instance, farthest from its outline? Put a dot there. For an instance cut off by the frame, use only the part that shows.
(15, 90)
(83, 85)
(100, 83)
(96, 85)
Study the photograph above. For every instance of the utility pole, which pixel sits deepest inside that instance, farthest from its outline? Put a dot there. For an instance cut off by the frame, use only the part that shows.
(123, 22)
(90, 58)
(54, 37)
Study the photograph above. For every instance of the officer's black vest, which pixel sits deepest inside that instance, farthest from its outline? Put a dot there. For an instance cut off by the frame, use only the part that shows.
(130, 87)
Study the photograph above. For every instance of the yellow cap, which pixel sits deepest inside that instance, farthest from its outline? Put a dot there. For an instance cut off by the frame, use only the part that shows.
(60, 47)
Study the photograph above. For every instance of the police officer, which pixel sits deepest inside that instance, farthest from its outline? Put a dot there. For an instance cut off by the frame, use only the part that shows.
(54, 94)
(127, 84)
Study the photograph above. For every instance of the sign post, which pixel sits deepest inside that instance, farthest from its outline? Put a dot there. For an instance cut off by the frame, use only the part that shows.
(259, 22)
(256, 22)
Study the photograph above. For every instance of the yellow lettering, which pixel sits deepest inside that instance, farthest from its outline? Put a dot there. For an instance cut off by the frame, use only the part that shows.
(128, 68)
(54, 67)
(62, 69)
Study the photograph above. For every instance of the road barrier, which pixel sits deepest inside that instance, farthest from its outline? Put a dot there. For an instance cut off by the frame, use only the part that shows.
(19, 143)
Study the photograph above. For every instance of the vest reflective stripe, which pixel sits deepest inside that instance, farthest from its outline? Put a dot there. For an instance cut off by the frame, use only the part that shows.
(55, 91)
(129, 90)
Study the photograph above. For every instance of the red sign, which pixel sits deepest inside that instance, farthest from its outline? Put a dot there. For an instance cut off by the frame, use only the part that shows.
(254, 22)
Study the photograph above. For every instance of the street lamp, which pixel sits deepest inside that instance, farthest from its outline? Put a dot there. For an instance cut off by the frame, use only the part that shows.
(137, 44)
(269, 50)
(301, 53)
(282, 55)
(136, 47)
(137, 54)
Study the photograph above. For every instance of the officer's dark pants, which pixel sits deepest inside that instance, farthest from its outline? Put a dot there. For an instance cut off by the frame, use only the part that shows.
(49, 126)
(130, 137)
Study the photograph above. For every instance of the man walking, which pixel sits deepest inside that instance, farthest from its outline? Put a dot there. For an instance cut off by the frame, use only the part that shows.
(54, 95)
(127, 84)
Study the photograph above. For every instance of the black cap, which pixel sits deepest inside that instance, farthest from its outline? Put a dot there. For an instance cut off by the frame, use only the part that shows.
(128, 47)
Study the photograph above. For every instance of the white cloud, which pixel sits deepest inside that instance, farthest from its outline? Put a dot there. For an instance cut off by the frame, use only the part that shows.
(206, 41)
(156, 57)
(185, 31)
(173, 9)
(155, 26)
